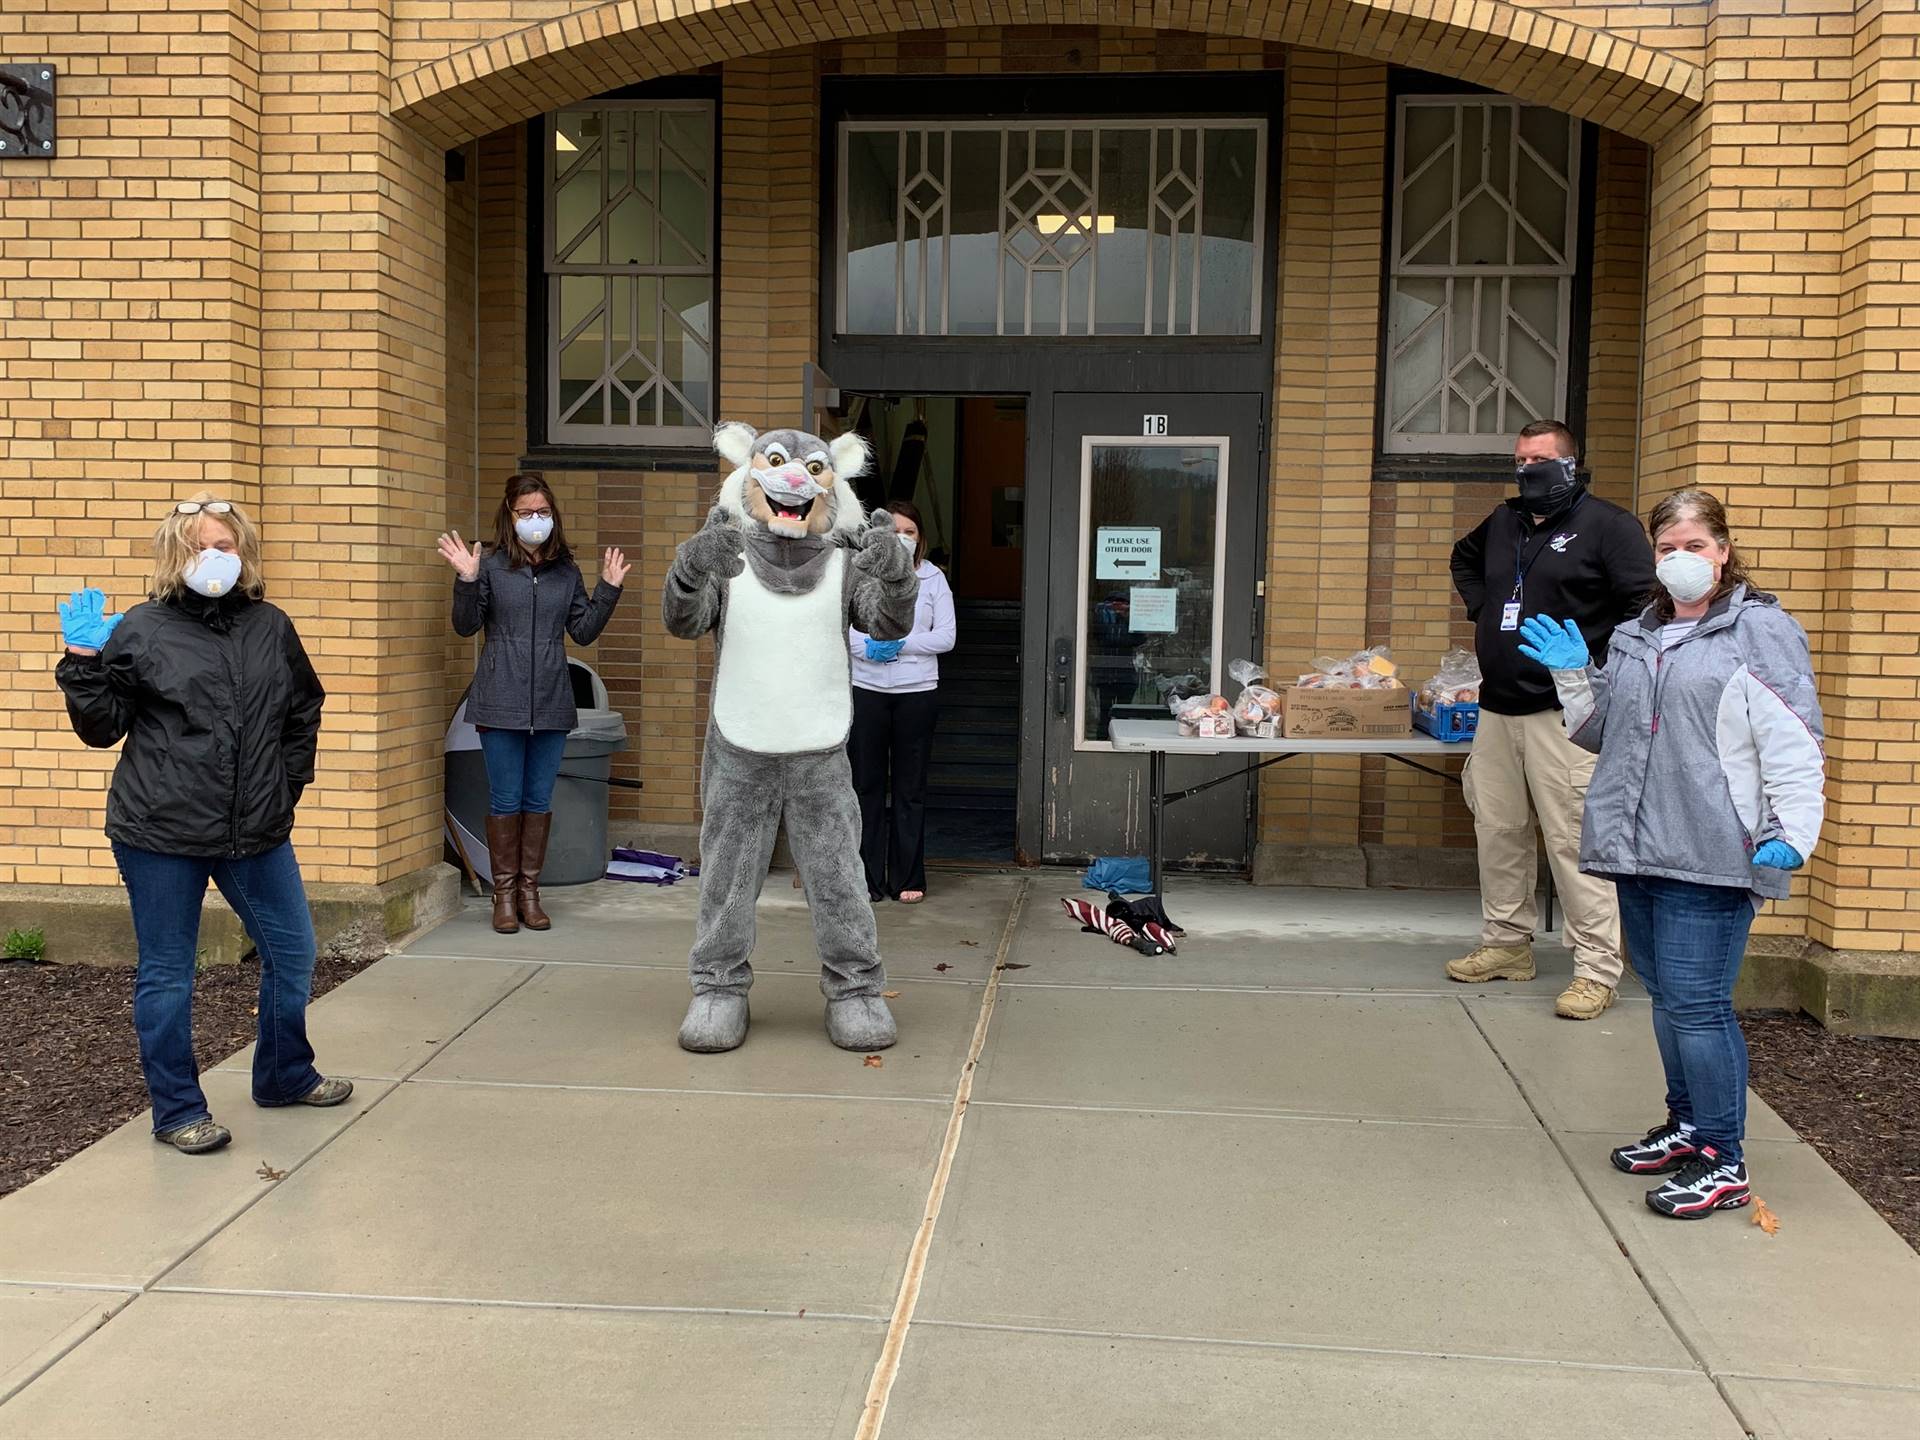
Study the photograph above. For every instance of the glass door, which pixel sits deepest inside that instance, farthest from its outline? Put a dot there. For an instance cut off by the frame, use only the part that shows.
(1155, 555)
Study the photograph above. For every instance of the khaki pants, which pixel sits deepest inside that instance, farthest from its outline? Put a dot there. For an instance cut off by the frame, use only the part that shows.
(1523, 766)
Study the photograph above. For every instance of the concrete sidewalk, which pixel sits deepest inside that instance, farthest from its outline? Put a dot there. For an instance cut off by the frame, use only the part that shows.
(1288, 1183)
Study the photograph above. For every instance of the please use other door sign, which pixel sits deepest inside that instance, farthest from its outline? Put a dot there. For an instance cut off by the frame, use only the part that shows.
(1126, 553)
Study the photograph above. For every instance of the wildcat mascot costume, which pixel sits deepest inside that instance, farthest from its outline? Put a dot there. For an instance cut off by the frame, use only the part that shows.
(785, 561)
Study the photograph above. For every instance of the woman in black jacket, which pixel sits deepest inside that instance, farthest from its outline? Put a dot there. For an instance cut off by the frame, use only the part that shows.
(220, 710)
(529, 595)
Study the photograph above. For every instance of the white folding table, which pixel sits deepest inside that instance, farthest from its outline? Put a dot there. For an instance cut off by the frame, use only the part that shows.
(1161, 738)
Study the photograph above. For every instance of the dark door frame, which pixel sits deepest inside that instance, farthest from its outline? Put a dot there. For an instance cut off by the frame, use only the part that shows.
(1039, 368)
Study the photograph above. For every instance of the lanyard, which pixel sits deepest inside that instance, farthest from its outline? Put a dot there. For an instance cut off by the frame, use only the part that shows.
(1523, 562)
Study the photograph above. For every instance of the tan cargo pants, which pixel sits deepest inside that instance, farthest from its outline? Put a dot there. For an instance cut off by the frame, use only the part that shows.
(1523, 766)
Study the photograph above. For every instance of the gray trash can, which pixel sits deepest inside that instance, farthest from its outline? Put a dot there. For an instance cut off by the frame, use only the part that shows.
(577, 849)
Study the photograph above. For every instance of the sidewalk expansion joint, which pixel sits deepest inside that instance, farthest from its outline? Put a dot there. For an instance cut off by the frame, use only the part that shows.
(887, 1368)
(1313, 1347)
(1315, 1117)
(458, 1084)
(474, 1302)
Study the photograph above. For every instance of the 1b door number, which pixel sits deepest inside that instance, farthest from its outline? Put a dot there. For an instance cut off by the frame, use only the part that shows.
(1153, 424)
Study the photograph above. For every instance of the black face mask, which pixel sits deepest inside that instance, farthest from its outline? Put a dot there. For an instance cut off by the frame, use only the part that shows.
(1548, 486)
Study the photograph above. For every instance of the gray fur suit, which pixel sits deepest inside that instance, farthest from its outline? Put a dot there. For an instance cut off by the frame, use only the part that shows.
(782, 566)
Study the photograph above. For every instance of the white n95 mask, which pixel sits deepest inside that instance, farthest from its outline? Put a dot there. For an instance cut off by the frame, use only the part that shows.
(1687, 577)
(533, 530)
(213, 573)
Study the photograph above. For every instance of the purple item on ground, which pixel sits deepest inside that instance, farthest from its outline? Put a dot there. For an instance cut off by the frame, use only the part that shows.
(648, 867)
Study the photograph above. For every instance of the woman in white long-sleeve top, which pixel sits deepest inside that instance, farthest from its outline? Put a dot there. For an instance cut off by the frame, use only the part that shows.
(1707, 792)
(896, 690)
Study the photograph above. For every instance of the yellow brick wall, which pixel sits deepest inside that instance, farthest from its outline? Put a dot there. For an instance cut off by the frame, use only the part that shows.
(130, 332)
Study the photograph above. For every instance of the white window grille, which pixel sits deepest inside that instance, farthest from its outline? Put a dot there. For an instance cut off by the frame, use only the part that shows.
(1096, 227)
(629, 273)
(1481, 271)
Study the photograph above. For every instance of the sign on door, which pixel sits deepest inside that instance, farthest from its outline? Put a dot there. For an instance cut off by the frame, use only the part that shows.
(1126, 553)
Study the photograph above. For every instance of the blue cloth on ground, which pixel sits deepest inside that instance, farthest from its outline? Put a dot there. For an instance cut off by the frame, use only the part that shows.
(1130, 874)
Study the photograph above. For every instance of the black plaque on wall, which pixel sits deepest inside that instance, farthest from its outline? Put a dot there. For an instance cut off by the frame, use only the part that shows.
(26, 112)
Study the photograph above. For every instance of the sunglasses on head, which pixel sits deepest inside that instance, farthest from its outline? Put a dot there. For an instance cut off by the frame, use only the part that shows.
(210, 507)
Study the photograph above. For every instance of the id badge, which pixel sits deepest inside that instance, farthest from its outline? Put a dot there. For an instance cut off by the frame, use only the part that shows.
(1510, 615)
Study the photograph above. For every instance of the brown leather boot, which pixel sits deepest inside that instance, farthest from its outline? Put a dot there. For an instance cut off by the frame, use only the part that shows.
(533, 857)
(503, 856)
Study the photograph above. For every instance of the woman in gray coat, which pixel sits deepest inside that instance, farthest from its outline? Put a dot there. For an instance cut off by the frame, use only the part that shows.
(528, 594)
(1707, 792)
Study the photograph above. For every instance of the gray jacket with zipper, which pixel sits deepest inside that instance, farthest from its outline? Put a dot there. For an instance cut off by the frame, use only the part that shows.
(1708, 749)
(521, 682)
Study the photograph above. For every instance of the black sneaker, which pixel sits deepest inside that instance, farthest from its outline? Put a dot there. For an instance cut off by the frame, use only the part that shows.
(1705, 1184)
(1665, 1147)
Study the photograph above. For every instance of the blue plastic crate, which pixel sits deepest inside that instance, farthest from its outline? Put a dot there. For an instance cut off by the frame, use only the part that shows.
(1447, 722)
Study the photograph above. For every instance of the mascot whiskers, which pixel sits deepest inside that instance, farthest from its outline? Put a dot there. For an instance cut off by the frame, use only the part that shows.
(786, 560)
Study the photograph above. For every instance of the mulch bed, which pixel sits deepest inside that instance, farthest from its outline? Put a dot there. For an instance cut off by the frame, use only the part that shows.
(69, 1064)
(1853, 1098)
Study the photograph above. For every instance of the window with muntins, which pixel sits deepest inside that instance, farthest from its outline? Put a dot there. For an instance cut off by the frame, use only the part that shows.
(629, 272)
(1051, 228)
(1480, 272)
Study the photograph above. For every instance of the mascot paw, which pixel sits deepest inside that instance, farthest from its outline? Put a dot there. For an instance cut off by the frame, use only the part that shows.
(881, 554)
(716, 551)
(861, 1022)
(716, 1021)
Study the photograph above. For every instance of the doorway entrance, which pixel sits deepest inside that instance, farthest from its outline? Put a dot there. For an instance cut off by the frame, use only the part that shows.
(961, 462)
(1150, 583)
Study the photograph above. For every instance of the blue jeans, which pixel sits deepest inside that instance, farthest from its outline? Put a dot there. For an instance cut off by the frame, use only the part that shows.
(266, 893)
(521, 768)
(1686, 942)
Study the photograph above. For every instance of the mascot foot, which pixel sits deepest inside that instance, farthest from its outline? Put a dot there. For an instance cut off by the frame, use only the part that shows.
(861, 1022)
(716, 1021)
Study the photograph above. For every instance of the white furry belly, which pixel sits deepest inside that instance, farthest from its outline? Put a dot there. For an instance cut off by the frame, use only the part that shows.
(783, 683)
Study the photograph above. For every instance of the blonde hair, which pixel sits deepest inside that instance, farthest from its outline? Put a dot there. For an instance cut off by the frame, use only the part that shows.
(176, 546)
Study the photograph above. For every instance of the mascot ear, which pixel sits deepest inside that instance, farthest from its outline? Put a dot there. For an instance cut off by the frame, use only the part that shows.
(849, 454)
(734, 442)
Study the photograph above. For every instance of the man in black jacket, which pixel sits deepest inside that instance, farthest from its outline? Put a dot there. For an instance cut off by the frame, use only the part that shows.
(1553, 549)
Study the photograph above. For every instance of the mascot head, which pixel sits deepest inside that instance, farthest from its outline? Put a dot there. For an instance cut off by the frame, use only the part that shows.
(789, 482)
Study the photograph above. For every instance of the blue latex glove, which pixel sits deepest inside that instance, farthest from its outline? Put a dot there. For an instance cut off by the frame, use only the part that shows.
(1556, 644)
(1778, 855)
(84, 622)
(884, 652)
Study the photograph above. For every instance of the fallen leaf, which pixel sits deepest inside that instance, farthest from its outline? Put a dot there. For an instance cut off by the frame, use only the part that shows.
(1765, 1218)
(267, 1172)
(803, 1312)
(889, 994)
(253, 1010)
(969, 942)
(1009, 965)
(873, 1062)
(943, 967)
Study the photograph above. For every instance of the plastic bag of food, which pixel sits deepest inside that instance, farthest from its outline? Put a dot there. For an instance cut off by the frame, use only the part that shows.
(1203, 716)
(1457, 682)
(1256, 709)
(1365, 670)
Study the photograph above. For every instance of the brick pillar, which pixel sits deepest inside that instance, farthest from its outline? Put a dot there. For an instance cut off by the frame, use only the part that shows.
(353, 302)
(1866, 883)
(1774, 358)
(1331, 179)
(129, 365)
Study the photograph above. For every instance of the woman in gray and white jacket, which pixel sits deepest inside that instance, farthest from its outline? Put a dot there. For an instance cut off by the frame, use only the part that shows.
(1707, 792)
(529, 595)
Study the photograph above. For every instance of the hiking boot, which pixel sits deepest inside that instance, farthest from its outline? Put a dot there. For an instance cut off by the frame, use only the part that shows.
(1492, 962)
(1667, 1146)
(534, 830)
(503, 855)
(328, 1092)
(1584, 999)
(1706, 1183)
(197, 1138)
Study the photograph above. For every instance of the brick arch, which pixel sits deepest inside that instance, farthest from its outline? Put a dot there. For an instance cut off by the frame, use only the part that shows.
(1506, 46)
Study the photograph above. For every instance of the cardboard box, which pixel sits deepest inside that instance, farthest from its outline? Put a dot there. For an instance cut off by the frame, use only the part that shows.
(1334, 714)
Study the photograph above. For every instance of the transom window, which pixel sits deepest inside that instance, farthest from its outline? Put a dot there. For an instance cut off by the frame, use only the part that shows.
(1481, 272)
(629, 272)
(1068, 227)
